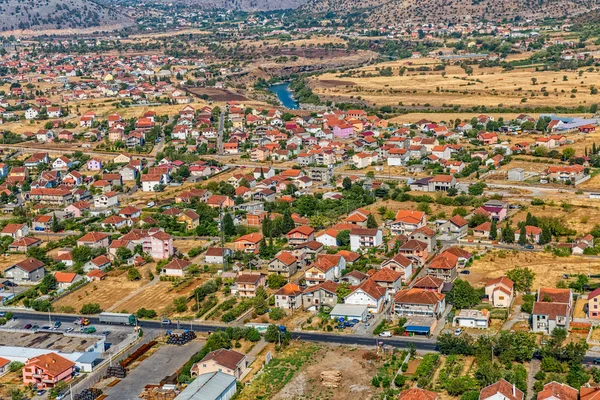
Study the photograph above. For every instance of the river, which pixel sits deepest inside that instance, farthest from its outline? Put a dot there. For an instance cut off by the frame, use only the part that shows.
(284, 95)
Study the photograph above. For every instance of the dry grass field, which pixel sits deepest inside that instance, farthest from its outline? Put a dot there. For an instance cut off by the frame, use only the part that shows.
(547, 267)
(106, 292)
(489, 86)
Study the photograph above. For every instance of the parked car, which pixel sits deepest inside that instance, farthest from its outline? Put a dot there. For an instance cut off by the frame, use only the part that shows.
(458, 332)
(386, 334)
(28, 326)
(465, 272)
(596, 361)
(41, 392)
(367, 324)
(69, 330)
(46, 327)
(528, 247)
(165, 322)
(57, 324)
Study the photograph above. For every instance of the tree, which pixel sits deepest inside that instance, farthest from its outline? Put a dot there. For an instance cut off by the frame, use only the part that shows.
(343, 238)
(275, 335)
(81, 254)
(346, 183)
(275, 281)
(124, 254)
(508, 234)
(523, 235)
(133, 274)
(448, 344)
(342, 291)
(288, 222)
(90, 308)
(371, 222)
(452, 192)
(48, 283)
(568, 153)
(260, 305)
(476, 189)
(463, 295)
(493, 230)
(522, 277)
(277, 313)
(55, 223)
(546, 236)
(180, 304)
(478, 219)
(144, 313)
(227, 225)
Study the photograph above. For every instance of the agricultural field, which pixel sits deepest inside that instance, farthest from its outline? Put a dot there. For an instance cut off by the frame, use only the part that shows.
(547, 267)
(490, 87)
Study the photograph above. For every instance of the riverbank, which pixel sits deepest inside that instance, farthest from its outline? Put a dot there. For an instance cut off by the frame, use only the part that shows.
(284, 95)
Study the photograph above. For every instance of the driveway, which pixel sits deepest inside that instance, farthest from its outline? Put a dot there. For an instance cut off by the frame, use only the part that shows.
(166, 361)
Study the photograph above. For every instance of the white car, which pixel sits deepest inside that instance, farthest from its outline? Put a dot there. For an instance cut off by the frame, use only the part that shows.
(458, 332)
(386, 334)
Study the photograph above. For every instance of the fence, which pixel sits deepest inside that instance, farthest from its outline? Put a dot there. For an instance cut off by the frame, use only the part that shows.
(122, 351)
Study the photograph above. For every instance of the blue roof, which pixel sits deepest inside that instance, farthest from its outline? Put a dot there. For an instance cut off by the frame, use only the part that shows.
(417, 329)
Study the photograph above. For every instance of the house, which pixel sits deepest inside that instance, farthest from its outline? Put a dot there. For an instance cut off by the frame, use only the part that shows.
(565, 173)
(47, 371)
(223, 360)
(326, 267)
(24, 244)
(441, 183)
(593, 304)
(417, 394)
(29, 271)
(101, 262)
(552, 309)
(246, 284)
(289, 297)
(369, 294)
(589, 393)
(94, 240)
(407, 221)
(388, 279)
(456, 226)
(62, 163)
(65, 279)
(479, 319)
(328, 237)
(190, 219)
(284, 264)
(176, 267)
(301, 234)
(106, 200)
(501, 390)
(500, 292)
(150, 182)
(532, 233)
(15, 231)
(364, 238)
(424, 235)
(401, 264)
(94, 164)
(429, 283)
(414, 250)
(419, 302)
(96, 275)
(217, 255)
(558, 391)
(248, 243)
(323, 294)
(445, 265)
(487, 138)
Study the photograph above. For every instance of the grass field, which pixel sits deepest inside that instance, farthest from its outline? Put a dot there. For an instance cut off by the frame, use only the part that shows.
(488, 86)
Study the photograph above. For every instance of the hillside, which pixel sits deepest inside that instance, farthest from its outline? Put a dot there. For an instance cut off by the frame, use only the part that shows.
(56, 14)
(245, 5)
(398, 11)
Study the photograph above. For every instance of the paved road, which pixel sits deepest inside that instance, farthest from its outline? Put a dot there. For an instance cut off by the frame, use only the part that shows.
(165, 362)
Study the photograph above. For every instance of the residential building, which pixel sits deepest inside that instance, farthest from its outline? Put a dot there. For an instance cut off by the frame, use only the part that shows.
(364, 238)
(246, 284)
(94, 240)
(284, 264)
(407, 221)
(369, 294)
(401, 264)
(479, 319)
(417, 394)
(217, 255)
(29, 271)
(419, 302)
(289, 297)
(223, 360)
(552, 309)
(47, 370)
(323, 294)
(248, 243)
(558, 391)
(15, 231)
(176, 268)
(213, 385)
(500, 292)
(501, 390)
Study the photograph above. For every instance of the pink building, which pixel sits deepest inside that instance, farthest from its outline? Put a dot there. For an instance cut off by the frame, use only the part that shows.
(159, 245)
(343, 131)
(47, 370)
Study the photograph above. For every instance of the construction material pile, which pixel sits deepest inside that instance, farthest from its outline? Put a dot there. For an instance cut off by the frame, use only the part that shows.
(180, 338)
(331, 379)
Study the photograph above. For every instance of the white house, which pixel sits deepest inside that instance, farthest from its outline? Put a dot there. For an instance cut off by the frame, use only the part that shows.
(363, 238)
(368, 294)
(149, 182)
(31, 113)
(328, 237)
(105, 200)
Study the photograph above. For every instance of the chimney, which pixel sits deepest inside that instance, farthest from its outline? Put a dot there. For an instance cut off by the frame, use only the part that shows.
(514, 390)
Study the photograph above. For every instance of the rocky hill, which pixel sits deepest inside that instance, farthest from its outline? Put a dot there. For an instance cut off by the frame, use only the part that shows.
(56, 14)
(398, 11)
(245, 5)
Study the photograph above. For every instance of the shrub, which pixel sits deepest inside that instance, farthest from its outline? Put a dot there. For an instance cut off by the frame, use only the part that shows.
(144, 313)
(277, 313)
(90, 308)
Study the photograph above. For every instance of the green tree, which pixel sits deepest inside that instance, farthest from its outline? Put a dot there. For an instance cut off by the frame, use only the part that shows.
(343, 238)
(90, 308)
(228, 226)
(288, 222)
(346, 183)
(494, 230)
(276, 313)
(81, 254)
(275, 335)
(522, 278)
(123, 254)
(180, 304)
(568, 153)
(48, 283)
(371, 222)
(133, 274)
(463, 295)
(275, 281)
(546, 236)
(476, 189)
(508, 234)
(55, 224)
(342, 291)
